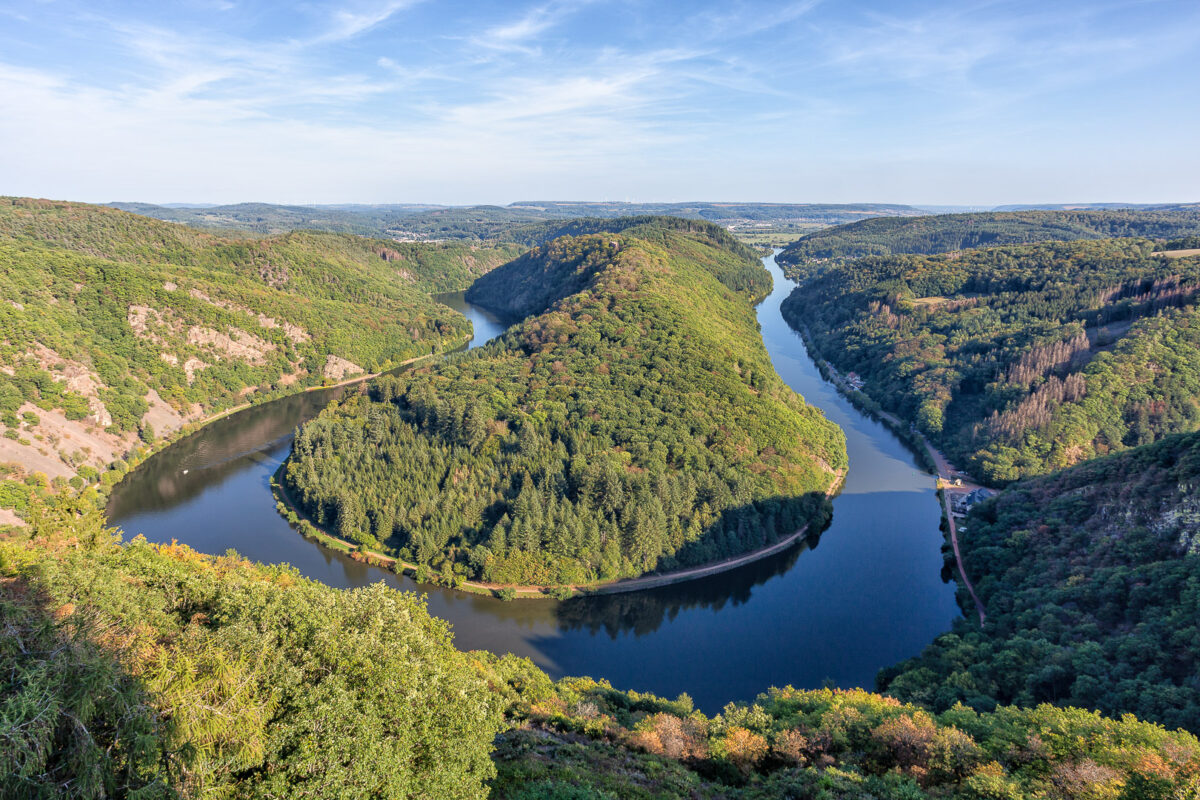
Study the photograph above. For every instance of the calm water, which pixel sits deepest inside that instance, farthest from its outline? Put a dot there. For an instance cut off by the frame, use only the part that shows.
(868, 594)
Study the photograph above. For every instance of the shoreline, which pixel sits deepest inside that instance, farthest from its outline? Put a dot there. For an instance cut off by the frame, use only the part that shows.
(620, 586)
(134, 458)
(932, 458)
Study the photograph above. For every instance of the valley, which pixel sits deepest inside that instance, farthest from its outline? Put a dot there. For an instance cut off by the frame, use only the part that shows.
(855, 601)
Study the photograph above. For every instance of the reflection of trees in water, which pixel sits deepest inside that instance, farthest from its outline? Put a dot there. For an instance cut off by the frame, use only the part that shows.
(213, 453)
(645, 611)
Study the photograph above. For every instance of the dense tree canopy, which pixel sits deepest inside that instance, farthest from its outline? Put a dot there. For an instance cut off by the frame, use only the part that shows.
(945, 233)
(1091, 580)
(1018, 360)
(633, 422)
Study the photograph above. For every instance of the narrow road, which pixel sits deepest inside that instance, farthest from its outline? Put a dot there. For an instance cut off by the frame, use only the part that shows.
(958, 559)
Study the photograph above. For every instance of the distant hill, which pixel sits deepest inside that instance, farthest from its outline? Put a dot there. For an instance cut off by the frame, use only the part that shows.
(1091, 580)
(487, 222)
(947, 233)
(1095, 206)
(266, 218)
(116, 326)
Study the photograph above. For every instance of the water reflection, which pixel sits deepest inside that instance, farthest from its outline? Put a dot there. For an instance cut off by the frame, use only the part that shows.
(642, 613)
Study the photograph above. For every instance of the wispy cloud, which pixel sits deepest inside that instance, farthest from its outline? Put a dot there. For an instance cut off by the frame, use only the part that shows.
(459, 101)
(347, 24)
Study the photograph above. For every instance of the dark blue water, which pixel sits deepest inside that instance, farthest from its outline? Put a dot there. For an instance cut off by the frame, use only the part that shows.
(868, 594)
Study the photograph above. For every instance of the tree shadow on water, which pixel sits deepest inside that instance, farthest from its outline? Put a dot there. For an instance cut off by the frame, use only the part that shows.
(643, 612)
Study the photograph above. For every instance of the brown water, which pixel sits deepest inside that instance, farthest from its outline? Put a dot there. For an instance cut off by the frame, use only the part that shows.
(868, 594)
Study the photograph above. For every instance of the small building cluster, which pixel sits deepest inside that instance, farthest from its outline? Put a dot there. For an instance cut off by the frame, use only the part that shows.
(963, 502)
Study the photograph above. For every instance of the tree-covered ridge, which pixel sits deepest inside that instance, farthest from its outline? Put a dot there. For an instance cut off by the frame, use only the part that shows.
(153, 671)
(634, 425)
(114, 325)
(1091, 579)
(1018, 360)
(545, 276)
(883, 236)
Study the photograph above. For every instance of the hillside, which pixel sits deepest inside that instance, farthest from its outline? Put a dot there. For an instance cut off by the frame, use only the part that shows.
(883, 236)
(631, 422)
(1091, 579)
(1018, 360)
(118, 328)
(157, 672)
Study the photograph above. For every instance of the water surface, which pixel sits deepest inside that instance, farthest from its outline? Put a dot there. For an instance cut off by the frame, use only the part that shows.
(867, 594)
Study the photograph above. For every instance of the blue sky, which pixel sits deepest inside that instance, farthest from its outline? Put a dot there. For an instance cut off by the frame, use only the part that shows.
(470, 102)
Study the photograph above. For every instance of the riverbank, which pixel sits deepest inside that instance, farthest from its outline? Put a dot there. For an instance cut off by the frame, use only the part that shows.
(930, 458)
(299, 519)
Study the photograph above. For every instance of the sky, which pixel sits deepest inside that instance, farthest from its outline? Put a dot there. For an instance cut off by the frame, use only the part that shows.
(436, 101)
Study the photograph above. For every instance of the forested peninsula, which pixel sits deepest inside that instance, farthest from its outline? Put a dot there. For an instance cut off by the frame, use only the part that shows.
(1018, 360)
(946, 233)
(630, 422)
(116, 329)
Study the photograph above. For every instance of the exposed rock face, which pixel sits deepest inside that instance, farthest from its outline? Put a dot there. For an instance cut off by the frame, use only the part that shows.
(338, 368)
(236, 344)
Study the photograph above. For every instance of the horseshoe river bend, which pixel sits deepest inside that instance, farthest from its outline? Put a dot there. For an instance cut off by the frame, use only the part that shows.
(867, 594)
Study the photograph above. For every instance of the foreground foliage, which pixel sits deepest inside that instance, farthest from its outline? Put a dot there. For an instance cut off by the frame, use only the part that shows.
(632, 422)
(1091, 579)
(582, 740)
(150, 671)
(146, 671)
(1018, 360)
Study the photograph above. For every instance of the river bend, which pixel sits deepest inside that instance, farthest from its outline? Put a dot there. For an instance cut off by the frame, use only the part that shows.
(867, 595)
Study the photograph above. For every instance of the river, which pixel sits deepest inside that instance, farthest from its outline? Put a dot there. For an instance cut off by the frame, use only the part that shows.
(868, 594)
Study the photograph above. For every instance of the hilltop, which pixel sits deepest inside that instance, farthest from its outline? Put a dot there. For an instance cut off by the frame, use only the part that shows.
(946, 233)
(630, 422)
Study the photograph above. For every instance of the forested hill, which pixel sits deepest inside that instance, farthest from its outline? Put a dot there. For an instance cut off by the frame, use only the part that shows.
(115, 326)
(1091, 579)
(1018, 360)
(881, 236)
(531, 284)
(156, 672)
(634, 422)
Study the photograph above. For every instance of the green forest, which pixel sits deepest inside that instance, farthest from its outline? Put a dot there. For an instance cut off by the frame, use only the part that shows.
(152, 671)
(1091, 580)
(946, 233)
(631, 422)
(107, 313)
(1018, 360)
